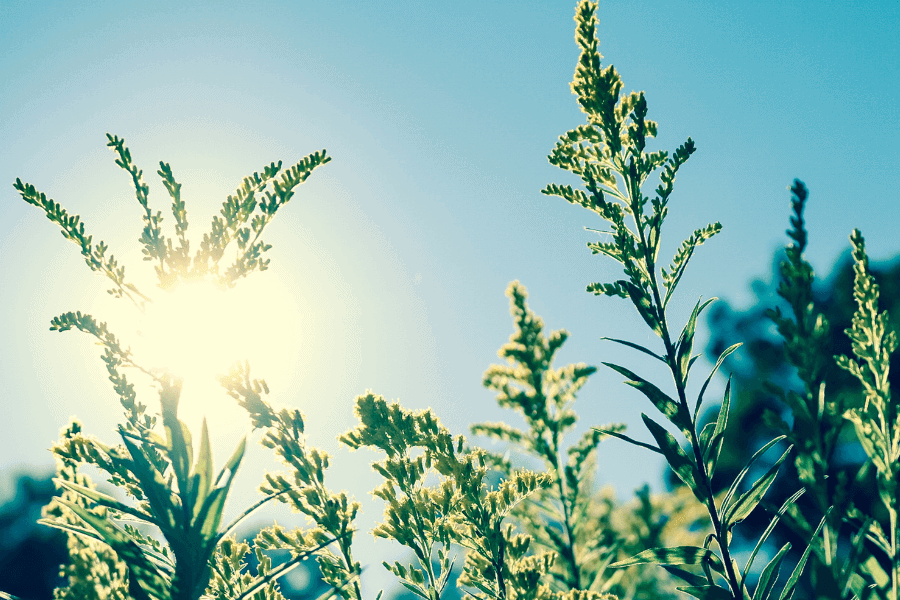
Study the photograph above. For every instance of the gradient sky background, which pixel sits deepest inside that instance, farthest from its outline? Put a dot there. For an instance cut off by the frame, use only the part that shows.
(439, 116)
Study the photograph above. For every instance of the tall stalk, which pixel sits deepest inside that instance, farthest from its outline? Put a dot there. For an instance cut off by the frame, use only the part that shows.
(877, 422)
(609, 155)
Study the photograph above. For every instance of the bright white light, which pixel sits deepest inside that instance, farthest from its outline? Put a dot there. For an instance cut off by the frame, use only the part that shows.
(199, 330)
(196, 331)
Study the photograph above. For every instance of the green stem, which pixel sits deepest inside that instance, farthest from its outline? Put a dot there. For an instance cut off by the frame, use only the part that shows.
(675, 368)
(569, 550)
(348, 559)
(498, 564)
(895, 559)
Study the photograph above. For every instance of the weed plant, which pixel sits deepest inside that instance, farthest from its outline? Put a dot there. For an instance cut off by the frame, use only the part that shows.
(540, 532)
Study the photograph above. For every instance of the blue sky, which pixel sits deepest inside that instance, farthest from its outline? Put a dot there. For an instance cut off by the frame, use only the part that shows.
(439, 117)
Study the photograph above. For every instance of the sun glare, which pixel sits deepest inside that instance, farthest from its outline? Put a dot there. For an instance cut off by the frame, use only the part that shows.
(198, 331)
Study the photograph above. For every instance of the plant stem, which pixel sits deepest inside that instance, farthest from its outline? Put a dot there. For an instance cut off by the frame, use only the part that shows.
(675, 368)
(569, 551)
(498, 566)
(895, 559)
(348, 559)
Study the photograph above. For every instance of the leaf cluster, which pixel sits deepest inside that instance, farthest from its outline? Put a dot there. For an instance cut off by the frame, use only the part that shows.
(586, 529)
(243, 218)
(529, 535)
(609, 155)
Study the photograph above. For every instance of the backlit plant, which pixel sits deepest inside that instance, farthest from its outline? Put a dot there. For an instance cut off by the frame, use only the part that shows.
(542, 532)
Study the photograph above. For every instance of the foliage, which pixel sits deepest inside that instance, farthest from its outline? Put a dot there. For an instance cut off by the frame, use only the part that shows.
(165, 539)
(591, 529)
(609, 155)
(179, 499)
(525, 534)
(826, 462)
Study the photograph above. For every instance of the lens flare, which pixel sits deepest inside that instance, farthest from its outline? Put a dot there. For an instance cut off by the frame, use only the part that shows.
(195, 331)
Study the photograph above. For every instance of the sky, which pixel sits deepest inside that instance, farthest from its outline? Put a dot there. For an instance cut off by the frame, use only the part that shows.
(389, 265)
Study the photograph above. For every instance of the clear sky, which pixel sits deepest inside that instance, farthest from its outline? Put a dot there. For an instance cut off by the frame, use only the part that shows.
(392, 260)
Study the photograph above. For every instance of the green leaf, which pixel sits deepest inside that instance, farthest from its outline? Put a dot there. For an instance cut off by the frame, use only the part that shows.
(151, 581)
(153, 486)
(853, 559)
(62, 525)
(625, 438)
(679, 555)
(178, 440)
(711, 456)
(104, 500)
(738, 511)
(691, 578)
(770, 575)
(207, 522)
(788, 592)
(686, 341)
(637, 347)
(707, 592)
(201, 479)
(672, 410)
(706, 436)
(719, 362)
(873, 568)
(762, 540)
(644, 305)
(676, 457)
(735, 485)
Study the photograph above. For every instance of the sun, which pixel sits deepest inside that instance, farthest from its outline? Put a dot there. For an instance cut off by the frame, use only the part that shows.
(195, 332)
(200, 329)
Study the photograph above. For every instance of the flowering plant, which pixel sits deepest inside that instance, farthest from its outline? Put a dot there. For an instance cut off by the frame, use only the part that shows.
(525, 534)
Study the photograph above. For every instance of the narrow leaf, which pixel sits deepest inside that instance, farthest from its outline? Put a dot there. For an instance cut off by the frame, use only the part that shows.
(706, 436)
(644, 305)
(686, 340)
(201, 479)
(735, 485)
(672, 410)
(691, 578)
(210, 515)
(675, 456)
(624, 437)
(679, 555)
(154, 487)
(719, 362)
(788, 592)
(762, 540)
(748, 501)
(104, 500)
(88, 533)
(150, 579)
(770, 575)
(178, 441)
(637, 347)
(707, 592)
(711, 456)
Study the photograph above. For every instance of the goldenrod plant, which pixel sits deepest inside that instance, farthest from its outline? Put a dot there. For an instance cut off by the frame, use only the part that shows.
(820, 417)
(539, 531)
(877, 422)
(609, 154)
(174, 493)
(166, 541)
(586, 528)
